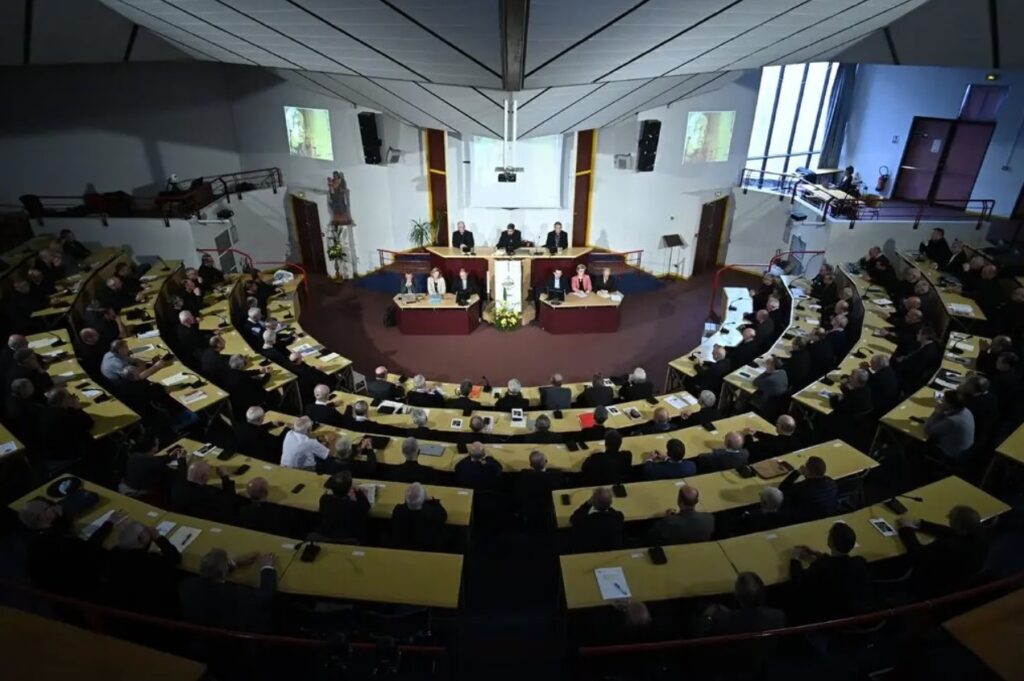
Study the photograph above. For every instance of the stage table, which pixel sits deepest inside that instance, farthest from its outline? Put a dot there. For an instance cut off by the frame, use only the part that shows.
(590, 314)
(445, 318)
(542, 263)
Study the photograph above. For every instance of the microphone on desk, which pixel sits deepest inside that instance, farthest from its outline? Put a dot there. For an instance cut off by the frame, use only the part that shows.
(487, 384)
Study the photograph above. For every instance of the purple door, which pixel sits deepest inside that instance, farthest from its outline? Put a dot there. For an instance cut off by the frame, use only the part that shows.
(922, 159)
(962, 164)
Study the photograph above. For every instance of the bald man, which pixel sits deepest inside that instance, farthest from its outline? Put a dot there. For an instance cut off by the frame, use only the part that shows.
(192, 495)
(262, 515)
(730, 455)
(140, 579)
(763, 446)
(379, 388)
(686, 524)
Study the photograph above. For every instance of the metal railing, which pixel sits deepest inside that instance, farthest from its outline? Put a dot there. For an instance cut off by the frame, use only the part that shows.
(251, 264)
(166, 205)
(736, 266)
(781, 183)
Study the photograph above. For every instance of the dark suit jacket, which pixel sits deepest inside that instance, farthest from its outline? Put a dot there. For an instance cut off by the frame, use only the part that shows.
(915, 369)
(213, 364)
(463, 240)
(218, 504)
(855, 402)
(811, 498)
(325, 413)
(711, 375)
(823, 357)
(556, 240)
(606, 468)
(481, 475)
(266, 517)
(417, 399)
(144, 581)
(421, 530)
(229, 606)
(64, 431)
(946, 564)
(798, 369)
(885, 389)
(831, 586)
(414, 471)
(258, 442)
(471, 286)
(596, 396)
(600, 284)
(508, 402)
(938, 251)
(769, 446)
(343, 518)
(721, 460)
(636, 391)
(555, 398)
(245, 390)
(597, 531)
(507, 241)
(192, 341)
(383, 390)
(463, 403)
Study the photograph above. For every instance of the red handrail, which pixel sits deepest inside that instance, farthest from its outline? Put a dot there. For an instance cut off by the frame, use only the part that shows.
(718, 276)
(841, 623)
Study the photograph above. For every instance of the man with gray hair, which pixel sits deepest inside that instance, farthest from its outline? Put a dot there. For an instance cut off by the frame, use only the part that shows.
(555, 396)
(253, 437)
(272, 348)
(300, 450)
(420, 427)
(120, 356)
(478, 471)
(855, 397)
(534, 488)
(542, 431)
(411, 470)
(513, 399)
(209, 600)
(418, 524)
(732, 455)
(885, 387)
(423, 394)
(244, 388)
(637, 387)
(323, 409)
(143, 580)
(766, 445)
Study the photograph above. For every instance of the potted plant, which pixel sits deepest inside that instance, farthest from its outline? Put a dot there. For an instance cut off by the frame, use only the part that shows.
(507, 318)
(336, 252)
(424, 232)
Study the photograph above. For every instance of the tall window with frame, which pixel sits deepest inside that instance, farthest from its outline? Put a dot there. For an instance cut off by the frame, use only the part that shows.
(789, 121)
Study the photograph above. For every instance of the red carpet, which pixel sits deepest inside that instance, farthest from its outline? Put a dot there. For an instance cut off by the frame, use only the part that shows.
(656, 328)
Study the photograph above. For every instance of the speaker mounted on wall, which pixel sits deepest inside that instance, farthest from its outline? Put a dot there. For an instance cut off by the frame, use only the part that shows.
(370, 138)
(647, 146)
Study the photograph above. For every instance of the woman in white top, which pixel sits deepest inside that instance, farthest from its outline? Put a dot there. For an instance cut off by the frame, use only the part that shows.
(435, 283)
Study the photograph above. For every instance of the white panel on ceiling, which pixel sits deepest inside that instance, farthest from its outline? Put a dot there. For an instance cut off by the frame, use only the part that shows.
(63, 40)
(12, 28)
(382, 93)
(704, 82)
(946, 32)
(150, 47)
(635, 100)
(555, 25)
(629, 38)
(522, 96)
(474, 103)
(560, 121)
(441, 109)
(473, 25)
(549, 102)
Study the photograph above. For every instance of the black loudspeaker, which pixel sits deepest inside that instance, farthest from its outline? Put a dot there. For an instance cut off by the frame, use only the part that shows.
(371, 140)
(647, 147)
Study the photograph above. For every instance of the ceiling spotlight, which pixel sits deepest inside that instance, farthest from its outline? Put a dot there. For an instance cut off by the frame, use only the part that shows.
(991, 76)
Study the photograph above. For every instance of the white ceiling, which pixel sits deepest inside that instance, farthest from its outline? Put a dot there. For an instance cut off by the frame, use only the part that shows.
(438, 63)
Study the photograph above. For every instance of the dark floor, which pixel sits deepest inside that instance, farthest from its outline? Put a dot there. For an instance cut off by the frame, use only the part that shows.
(656, 328)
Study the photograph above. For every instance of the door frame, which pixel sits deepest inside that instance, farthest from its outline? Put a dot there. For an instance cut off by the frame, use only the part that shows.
(946, 146)
(293, 206)
(713, 255)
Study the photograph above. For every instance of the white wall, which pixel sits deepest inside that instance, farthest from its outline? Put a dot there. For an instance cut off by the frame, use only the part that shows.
(145, 238)
(260, 222)
(383, 198)
(887, 98)
(632, 210)
(487, 223)
(114, 126)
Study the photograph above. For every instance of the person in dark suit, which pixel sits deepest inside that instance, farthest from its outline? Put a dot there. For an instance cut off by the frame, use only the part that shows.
(213, 363)
(191, 340)
(914, 369)
(64, 427)
(838, 337)
(833, 584)
(637, 387)
(423, 394)
(477, 432)
(751, 616)
(464, 401)
(556, 282)
(936, 248)
(409, 285)
(511, 239)
(555, 396)
(685, 525)
(711, 375)
(816, 496)
(557, 240)
(798, 365)
(763, 446)
(478, 471)
(669, 465)
(950, 562)
(71, 247)
(764, 330)
(138, 578)
(660, 423)
(610, 466)
(823, 357)
(708, 413)
(462, 238)
(885, 388)
(745, 351)
(19, 304)
(596, 526)
(112, 295)
(542, 432)
(984, 406)
(344, 511)
(210, 276)
(411, 470)
(25, 364)
(513, 399)
(605, 281)
(322, 410)
(464, 285)
(731, 456)
(597, 395)
(598, 430)
(381, 389)
(261, 515)
(191, 495)
(855, 398)
(418, 524)
(253, 437)
(243, 387)
(767, 516)
(533, 491)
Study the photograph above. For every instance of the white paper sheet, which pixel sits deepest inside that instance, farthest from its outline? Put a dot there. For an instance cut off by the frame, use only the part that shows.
(183, 536)
(612, 583)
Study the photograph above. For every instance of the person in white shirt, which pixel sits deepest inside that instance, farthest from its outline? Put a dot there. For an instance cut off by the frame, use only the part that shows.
(435, 283)
(299, 450)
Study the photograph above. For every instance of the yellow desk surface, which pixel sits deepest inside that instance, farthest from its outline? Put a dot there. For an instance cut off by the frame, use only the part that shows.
(447, 419)
(932, 273)
(993, 632)
(522, 253)
(234, 344)
(180, 392)
(109, 416)
(82, 654)
(922, 403)
(364, 573)
(447, 302)
(456, 501)
(692, 570)
(719, 491)
(736, 302)
(9, 445)
(488, 399)
(573, 300)
(768, 553)
(1013, 446)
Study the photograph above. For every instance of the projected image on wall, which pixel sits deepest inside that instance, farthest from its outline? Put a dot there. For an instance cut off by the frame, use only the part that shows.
(708, 136)
(309, 132)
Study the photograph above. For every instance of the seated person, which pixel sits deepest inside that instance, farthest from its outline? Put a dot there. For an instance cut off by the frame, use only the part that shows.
(418, 524)
(510, 240)
(668, 465)
(598, 430)
(949, 563)
(833, 584)
(686, 525)
(637, 387)
(478, 471)
(210, 276)
(464, 285)
(555, 287)
(192, 495)
(436, 285)
(261, 515)
(379, 388)
(534, 488)
(253, 437)
(464, 401)
(950, 428)
(344, 511)
(409, 285)
(708, 413)
(299, 450)
(411, 470)
(596, 526)
(767, 516)
(581, 282)
(462, 238)
(816, 496)
(848, 183)
(660, 422)
(597, 394)
(606, 282)
(937, 248)
(751, 616)
(767, 446)
(555, 396)
(557, 240)
(732, 455)
(424, 395)
(322, 410)
(64, 426)
(609, 466)
(513, 399)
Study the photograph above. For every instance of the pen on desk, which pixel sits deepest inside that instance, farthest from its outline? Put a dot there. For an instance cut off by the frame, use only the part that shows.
(621, 590)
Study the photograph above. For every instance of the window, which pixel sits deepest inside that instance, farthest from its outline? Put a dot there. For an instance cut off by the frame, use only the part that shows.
(789, 121)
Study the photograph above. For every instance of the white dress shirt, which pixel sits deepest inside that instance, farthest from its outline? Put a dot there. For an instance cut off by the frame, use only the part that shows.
(436, 287)
(302, 451)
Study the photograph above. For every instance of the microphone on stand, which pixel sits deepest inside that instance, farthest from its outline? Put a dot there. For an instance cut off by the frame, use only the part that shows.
(487, 385)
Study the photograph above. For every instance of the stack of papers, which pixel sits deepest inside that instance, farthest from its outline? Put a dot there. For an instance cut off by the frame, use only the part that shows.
(681, 400)
(330, 357)
(612, 583)
(183, 536)
(155, 333)
(177, 378)
(960, 308)
(369, 490)
(43, 342)
(195, 396)
(92, 393)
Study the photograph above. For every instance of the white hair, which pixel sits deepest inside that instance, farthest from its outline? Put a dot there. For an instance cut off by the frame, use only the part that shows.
(343, 445)
(254, 313)
(269, 337)
(419, 417)
(419, 382)
(514, 386)
(303, 425)
(236, 362)
(254, 414)
(639, 375)
(415, 496)
(771, 498)
(185, 316)
(321, 392)
(707, 398)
